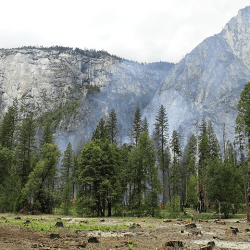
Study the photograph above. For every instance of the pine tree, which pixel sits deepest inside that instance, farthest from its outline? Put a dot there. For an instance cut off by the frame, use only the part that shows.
(144, 125)
(66, 177)
(160, 138)
(112, 126)
(47, 135)
(176, 169)
(101, 131)
(213, 143)
(25, 148)
(8, 126)
(142, 168)
(137, 129)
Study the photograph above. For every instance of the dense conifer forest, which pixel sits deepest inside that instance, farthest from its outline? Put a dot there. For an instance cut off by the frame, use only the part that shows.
(137, 178)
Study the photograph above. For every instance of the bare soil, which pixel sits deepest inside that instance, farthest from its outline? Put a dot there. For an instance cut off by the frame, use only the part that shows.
(144, 234)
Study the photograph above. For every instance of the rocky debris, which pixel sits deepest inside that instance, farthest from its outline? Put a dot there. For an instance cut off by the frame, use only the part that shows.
(235, 228)
(196, 232)
(102, 220)
(77, 231)
(167, 221)
(18, 218)
(54, 236)
(3, 218)
(247, 230)
(210, 247)
(83, 245)
(191, 225)
(174, 244)
(59, 224)
(93, 240)
(211, 243)
(220, 222)
(230, 231)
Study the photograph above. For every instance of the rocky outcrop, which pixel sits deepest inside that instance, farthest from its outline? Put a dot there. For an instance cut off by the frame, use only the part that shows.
(208, 81)
(47, 79)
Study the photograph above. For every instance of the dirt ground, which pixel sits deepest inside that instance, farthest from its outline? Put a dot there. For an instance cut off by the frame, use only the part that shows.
(144, 234)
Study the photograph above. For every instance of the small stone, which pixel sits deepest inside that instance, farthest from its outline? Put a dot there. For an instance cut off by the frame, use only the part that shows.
(54, 236)
(191, 225)
(174, 243)
(236, 229)
(93, 240)
(59, 224)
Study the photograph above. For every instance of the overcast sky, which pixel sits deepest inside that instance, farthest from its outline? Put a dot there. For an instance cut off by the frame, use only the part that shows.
(139, 30)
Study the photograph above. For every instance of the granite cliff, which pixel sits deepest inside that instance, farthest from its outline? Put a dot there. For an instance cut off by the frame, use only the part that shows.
(207, 83)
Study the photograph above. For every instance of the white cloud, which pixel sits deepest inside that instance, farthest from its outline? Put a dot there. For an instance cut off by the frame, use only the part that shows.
(148, 30)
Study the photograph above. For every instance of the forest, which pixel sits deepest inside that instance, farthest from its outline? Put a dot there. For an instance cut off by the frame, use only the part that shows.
(137, 179)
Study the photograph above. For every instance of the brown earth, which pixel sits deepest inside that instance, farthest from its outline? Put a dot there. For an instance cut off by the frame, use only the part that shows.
(145, 234)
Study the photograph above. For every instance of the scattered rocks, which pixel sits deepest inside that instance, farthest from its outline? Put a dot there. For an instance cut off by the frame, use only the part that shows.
(54, 236)
(191, 225)
(174, 244)
(210, 247)
(247, 230)
(16, 218)
(93, 240)
(197, 232)
(59, 224)
(211, 243)
(83, 245)
(167, 221)
(220, 222)
(230, 231)
(102, 220)
(236, 229)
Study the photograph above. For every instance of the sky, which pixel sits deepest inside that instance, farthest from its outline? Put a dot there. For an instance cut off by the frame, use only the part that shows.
(139, 30)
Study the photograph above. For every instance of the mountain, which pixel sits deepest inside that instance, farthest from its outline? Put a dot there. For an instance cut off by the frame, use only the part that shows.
(75, 88)
(208, 81)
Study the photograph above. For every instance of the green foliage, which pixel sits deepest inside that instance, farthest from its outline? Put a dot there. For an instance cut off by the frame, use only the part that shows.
(92, 88)
(8, 126)
(101, 131)
(174, 206)
(223, 184)
(112, 126)
(44, 171)
(25, 147)
(160, 139)
(137, 129)
(54, 117)
(175, 177)
(243, 118)
(97, 176)
(192, 186)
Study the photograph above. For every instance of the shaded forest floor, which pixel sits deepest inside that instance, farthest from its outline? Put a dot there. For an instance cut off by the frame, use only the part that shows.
(137, 233)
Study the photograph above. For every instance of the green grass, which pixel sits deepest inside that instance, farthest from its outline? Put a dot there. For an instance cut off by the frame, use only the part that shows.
(247, 234)
(150, 226)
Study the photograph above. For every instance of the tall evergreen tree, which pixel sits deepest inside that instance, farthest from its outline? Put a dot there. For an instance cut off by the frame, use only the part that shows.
(47, 135)
(176, 169)
(25, 148)
(8, 126)
(112, 126)
(144, 125)
(142, 168)
(137, 129)
(161, 136)
(67, 178)
(101, 131)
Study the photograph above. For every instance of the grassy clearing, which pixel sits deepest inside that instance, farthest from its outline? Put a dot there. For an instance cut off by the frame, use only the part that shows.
(49, 224)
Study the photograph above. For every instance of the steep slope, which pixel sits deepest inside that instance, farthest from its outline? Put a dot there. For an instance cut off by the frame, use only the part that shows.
(208, 81)
(49, 81)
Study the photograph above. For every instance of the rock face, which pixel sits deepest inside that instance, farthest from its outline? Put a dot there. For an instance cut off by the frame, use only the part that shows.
(208, 81)
(46, 79)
